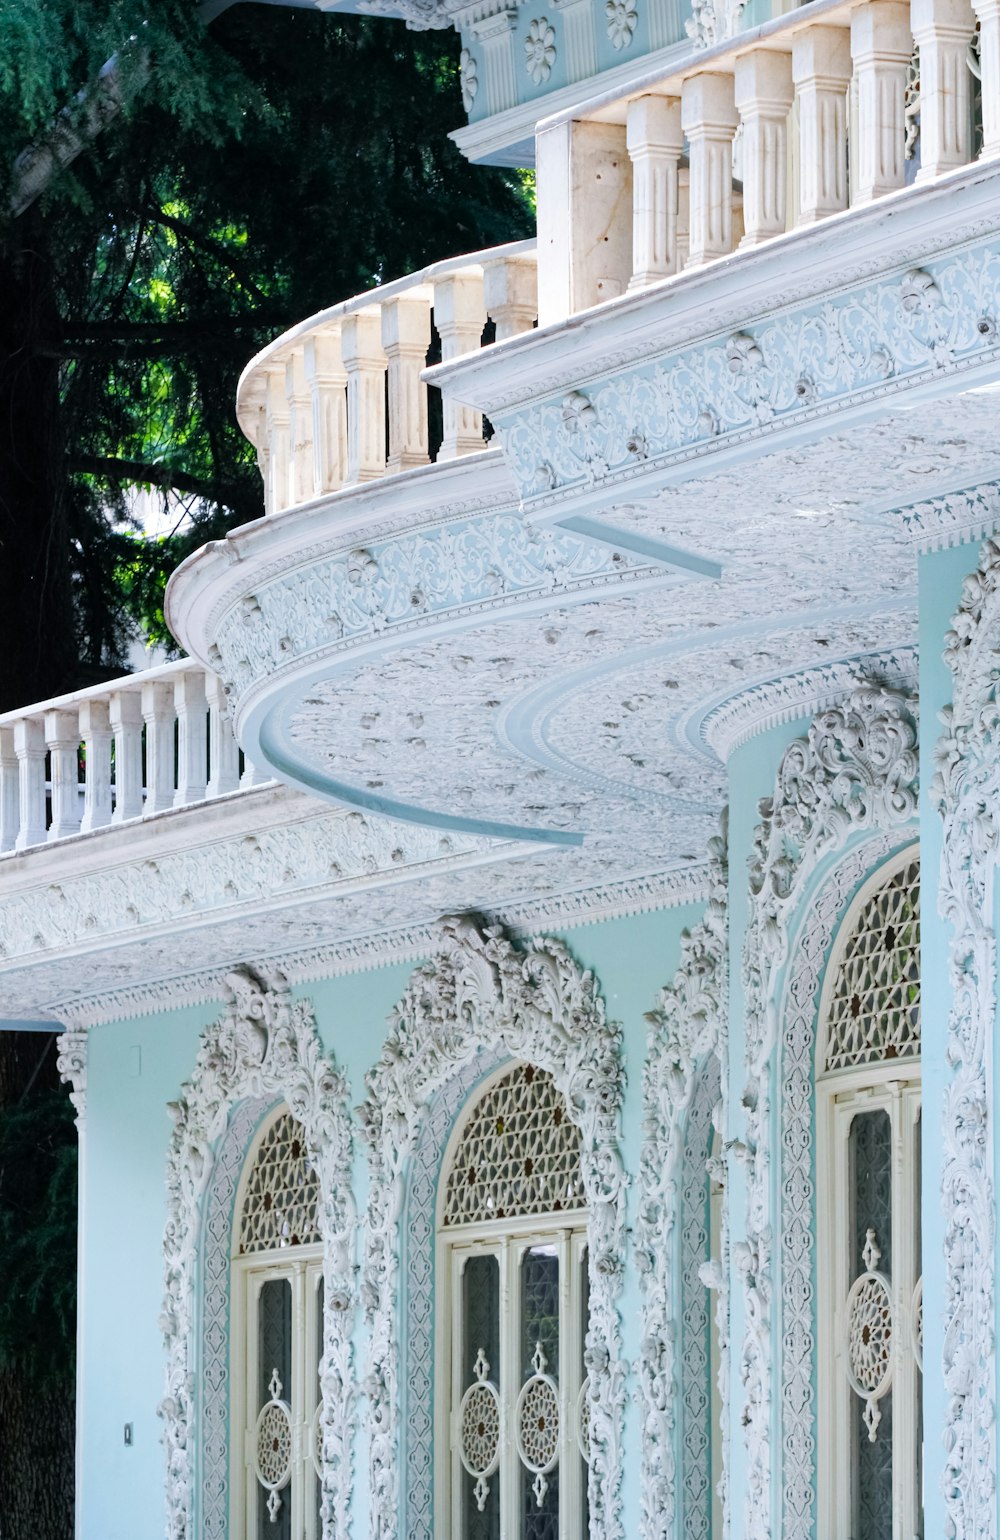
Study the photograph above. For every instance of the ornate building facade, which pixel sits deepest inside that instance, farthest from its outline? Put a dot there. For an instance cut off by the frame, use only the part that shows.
(528, 976)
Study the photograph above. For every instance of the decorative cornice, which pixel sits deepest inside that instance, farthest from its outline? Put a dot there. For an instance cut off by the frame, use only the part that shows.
(775, 702)
(687, 1029)
(941, 523)
(264, 1045)
(72, 1066)
(855, 771)
(364, 953)
(482, 992)
(966, 791)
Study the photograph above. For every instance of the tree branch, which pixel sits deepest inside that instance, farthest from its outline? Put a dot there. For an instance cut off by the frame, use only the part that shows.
(141, 473)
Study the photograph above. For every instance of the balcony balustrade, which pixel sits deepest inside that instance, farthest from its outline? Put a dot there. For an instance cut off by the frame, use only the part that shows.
(139, 746)
(339, 400)
(827, 107)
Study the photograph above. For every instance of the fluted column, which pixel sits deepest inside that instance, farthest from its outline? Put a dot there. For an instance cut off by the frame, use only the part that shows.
(988, 12)
(223, 750)
(158, 715)
(406, 337)
(655, 140)
(10, 791)
(942, 30)
(881, 45)
(192, 738)
(126, 724)
(510, 294)
(278, 429)
(300, 429)
(764, 94)
(62, 734)
(365, 362)
(821, 69)
(29, 746)
(95, 729)
(327, 378)
(708, 115)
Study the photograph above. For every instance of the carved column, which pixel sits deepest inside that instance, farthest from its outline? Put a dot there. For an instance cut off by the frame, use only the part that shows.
(942, 31)
(579, 42)
(95, 729)
(62, 734)
(708, 115)
(510, 294)
(126, 723)
(496, 35)
(327, 378)
(192, 742)
(655, 140)
(881, 45)
(821, 69)
(406, 336)
(278, 430)
(460, 315)
(300, 428)
(764, 94)
(223, 750)
(158, 715)
(10, 792)
(365, 362)
(29, 746)
(988, 12)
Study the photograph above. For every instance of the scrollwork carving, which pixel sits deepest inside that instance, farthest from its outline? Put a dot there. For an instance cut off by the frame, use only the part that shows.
(966, 790)
(480, 993)
(264, 1045)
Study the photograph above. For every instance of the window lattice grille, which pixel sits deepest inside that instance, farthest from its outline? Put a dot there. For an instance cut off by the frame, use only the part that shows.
(282, 1194)
(875, 1010)
(519, 1153)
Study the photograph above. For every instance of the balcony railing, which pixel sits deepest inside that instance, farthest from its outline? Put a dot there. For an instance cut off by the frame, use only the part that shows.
(830, 106)
(339, 400)
(130, 749)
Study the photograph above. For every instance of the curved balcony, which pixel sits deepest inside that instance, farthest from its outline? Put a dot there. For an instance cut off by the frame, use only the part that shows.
(338, 400)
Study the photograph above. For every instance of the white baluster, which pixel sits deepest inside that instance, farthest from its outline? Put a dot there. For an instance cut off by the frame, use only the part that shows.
(708, 115)
(460, 315)
(62, 734)
(126, 724)
(655, 141)
(192, 738)
(10, 790)
(158, 715)
(821, 69)
(95, 730)
(278, 490)
(406, 336)
(881, 46)
(223, 750)
(300, 428)
(942, 31)
(29, 746)
(764, 94)
(365, 362)
(988, 12)
(510, 294)
(328, 384)
(254, 775)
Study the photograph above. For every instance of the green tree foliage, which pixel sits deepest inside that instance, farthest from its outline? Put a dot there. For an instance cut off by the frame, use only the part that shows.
(258, 171)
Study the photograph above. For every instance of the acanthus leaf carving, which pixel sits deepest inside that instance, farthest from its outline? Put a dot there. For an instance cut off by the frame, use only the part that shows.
(966, 789)
(264, 1045)
(855, 771)
(483, 993)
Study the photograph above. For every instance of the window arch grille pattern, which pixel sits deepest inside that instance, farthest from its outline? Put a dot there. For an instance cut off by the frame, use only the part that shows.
(280, 1206)
(519, 1153)
(874, 1012)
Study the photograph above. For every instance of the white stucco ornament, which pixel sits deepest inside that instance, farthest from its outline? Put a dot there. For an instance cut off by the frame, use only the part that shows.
(622, 19)
(540, 50)
(856, 770)
(468, 75)
(482, 994)
(687, 1058)
(265, 1045)
(966, 790)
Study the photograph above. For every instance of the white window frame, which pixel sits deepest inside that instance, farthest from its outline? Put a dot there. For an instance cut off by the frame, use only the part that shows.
(895, 1087)
(508, 1240)
(302, 1266)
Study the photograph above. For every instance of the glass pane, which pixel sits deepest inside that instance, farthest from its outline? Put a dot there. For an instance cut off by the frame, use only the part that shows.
(480, 1423)
(538, 1418)
(273, 1442)
(871, 1251)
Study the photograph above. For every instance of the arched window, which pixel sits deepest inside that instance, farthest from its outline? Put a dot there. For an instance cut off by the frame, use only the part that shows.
(868, 1189)
(512, 1236)
(277, 1340)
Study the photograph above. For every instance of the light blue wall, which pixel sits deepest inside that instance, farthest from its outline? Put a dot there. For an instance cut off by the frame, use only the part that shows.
(134, 1069)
